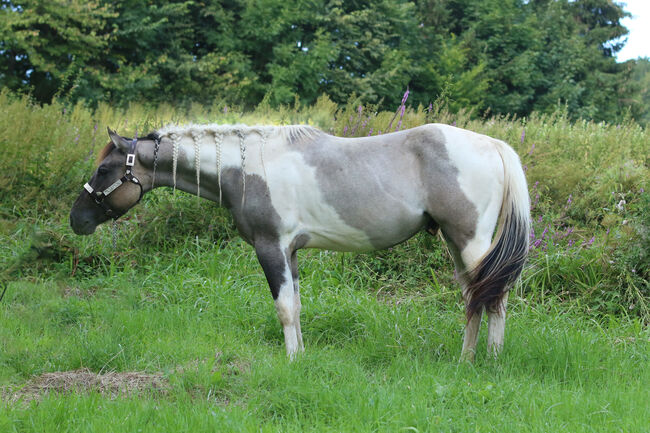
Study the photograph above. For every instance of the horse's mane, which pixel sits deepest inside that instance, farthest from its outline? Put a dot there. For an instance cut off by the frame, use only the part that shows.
(290, 132)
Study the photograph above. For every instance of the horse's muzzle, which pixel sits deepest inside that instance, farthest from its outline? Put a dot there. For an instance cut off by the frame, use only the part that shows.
(81, 225)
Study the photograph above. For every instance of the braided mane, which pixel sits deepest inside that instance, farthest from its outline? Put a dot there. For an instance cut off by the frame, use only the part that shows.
(290, 132)
(216, 133)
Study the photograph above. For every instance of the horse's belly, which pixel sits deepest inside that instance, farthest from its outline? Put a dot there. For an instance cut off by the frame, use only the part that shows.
(381, 232)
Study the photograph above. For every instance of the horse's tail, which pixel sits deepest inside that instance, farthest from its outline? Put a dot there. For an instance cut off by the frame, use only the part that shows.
(501, 265)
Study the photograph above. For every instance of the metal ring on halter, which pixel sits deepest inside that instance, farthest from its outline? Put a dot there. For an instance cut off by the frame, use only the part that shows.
(100, 196)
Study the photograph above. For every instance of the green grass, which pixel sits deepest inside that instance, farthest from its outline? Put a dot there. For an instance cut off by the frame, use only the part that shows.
(183, 296)
(375, 361)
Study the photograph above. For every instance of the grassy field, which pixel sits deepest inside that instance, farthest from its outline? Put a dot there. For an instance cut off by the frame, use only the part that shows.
(178, 326)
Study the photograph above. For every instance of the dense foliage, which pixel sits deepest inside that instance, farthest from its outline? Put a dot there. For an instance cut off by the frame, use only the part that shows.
(505, 56)
(591, 230)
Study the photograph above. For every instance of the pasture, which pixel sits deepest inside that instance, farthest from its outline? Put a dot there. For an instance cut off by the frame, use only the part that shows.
(175, 330)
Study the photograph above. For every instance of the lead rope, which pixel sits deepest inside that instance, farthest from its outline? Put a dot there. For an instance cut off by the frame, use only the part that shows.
(114, 233)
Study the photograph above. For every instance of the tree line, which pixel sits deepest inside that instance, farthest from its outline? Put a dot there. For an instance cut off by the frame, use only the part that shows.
(491, 56)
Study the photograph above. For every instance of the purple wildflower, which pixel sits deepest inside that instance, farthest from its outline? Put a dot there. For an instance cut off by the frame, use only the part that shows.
(370, 132)
(523, 135)
(430, 107)
(544, 232)
(405, 97)
(225, 109)
(345, 130)
(569, 201)
(453, 123)
(360, 109)
(531, 148)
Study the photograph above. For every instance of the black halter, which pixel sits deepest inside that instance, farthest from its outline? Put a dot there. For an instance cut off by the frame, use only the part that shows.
(99, 196)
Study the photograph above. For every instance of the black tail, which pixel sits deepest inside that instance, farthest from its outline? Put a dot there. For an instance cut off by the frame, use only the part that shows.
(497, 271)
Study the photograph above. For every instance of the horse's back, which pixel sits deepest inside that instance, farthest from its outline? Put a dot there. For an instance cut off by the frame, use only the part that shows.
(373, 192)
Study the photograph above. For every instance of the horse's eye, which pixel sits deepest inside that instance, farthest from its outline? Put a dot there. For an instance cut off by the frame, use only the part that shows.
(102, 170)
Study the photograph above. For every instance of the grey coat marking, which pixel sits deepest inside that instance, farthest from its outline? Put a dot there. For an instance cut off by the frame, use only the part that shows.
(391, 187)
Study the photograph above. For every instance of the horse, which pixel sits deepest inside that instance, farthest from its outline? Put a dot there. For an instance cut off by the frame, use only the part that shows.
(294, 187)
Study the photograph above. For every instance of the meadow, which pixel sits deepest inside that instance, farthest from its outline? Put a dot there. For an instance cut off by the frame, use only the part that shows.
(175, 329)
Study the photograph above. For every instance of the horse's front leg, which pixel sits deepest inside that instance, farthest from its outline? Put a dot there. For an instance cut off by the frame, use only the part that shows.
(296, 293)
(277, 268)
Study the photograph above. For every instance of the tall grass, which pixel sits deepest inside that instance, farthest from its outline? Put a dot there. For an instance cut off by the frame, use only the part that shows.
(588, 183)
(183, 295)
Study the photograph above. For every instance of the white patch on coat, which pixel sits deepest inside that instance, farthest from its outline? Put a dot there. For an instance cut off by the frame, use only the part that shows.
(481, 178)
(292, 183)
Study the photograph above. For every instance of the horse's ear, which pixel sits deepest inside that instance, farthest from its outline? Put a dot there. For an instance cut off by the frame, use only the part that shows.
(119, 141)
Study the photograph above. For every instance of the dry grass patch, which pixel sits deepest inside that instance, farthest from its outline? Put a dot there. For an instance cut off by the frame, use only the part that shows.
(113, 384)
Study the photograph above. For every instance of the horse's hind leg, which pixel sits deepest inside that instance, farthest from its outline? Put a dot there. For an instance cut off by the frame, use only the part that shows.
(277, 268)
(497, 327)
(296, 293)
(465, 260)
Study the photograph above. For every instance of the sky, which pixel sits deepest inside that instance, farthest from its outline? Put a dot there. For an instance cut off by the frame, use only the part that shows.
(638, 40)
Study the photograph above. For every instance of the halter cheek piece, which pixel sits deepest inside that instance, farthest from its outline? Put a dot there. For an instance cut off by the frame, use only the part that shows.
(100, 196)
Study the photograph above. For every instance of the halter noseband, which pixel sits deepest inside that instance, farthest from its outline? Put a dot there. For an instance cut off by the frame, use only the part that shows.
(99, 196)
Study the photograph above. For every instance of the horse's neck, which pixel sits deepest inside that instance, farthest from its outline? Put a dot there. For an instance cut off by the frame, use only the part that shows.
(196, 163)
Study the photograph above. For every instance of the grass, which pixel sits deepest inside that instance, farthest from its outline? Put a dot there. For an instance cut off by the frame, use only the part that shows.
(184, 298)
(201, 314)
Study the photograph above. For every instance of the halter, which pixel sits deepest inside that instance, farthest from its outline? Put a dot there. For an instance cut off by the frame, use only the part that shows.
(100, 196)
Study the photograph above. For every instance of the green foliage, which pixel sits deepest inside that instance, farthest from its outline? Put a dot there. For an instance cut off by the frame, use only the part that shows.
(499, 56)
(47, 44)
(641, 88)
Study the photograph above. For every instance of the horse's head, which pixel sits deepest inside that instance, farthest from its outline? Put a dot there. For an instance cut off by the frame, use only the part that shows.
(115, 187)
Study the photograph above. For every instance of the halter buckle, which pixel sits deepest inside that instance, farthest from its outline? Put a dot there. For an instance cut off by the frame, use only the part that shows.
(130, 159)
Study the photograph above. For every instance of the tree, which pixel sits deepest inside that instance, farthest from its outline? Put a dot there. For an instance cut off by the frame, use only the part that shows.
(45, 44)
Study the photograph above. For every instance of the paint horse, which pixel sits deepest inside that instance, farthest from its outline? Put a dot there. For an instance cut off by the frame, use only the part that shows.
(293, 187)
